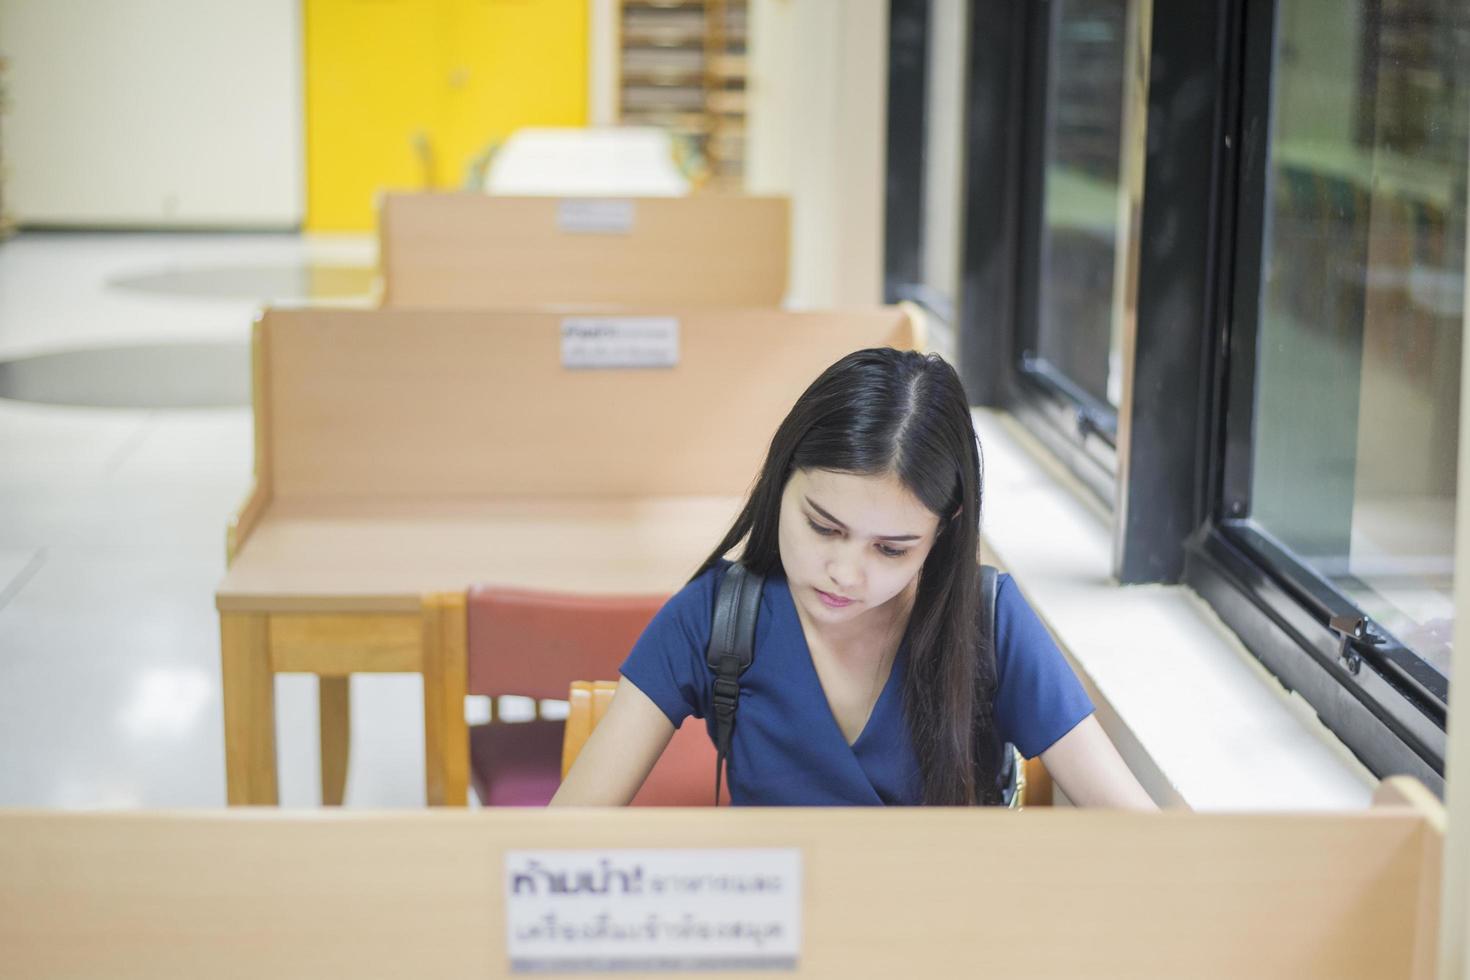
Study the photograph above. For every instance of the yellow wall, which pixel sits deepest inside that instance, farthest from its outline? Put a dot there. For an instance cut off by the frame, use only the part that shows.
(387, 80)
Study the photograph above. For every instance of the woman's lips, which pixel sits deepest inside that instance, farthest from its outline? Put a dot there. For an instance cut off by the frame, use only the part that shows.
(834, 601)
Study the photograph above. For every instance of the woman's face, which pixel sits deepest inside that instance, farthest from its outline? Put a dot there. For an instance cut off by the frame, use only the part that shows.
(851, 543)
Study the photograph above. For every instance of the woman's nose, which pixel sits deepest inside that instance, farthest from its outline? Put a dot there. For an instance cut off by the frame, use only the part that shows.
(844, 569)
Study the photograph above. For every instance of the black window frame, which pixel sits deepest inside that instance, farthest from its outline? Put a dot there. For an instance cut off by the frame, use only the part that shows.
(910, 28)
(1074, 425)
(904, 176)
(1180, 515)
(1387, 705)
(1181, 474)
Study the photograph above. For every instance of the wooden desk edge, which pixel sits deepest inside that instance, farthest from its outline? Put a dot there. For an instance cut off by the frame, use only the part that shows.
(227, 601)
(1408, 792)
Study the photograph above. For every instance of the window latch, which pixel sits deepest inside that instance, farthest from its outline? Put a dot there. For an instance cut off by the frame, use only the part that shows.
(1087, 424)
(1349, 629)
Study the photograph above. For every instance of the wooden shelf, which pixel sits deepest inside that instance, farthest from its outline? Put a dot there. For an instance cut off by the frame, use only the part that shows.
(670, 77)
(729, 66)
(684, 123)
(663, 5)
(648, 98)
(684, 68)
(730, 102)
(662, 37)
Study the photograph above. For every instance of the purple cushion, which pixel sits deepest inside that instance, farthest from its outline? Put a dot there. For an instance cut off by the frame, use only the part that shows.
(516, 763)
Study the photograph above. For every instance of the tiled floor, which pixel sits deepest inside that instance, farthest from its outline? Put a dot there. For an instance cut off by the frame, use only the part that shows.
(112, 535)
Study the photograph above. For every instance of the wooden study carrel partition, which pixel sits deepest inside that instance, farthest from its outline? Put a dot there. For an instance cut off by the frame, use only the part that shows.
(931, 892)
(466, 250)
(405, 456)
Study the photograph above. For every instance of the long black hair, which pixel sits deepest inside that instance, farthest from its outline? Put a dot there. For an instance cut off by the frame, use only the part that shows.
(882, 411)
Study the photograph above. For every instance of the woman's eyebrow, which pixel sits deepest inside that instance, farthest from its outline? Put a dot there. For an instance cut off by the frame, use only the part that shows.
(881, 537)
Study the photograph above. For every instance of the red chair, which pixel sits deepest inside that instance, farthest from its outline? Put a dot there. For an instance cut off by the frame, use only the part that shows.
(535, 644)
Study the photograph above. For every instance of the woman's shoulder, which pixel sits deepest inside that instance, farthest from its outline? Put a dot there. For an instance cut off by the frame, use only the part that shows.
(1010, 604)
(1007, 596)
(1038, 697)
(1006, 590)
(693, 605)
(1009, 609)
(706, 583)
(1005, 585)
(1020, 635)
(667, 663)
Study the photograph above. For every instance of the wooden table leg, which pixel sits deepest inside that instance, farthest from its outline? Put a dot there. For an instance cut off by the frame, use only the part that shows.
(335, 709)
(250, 709)
(446, 736)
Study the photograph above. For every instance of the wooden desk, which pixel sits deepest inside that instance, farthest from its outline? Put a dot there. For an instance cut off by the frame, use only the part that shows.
(381, 554)
(334, 588)
(925, 892)
(403, 457)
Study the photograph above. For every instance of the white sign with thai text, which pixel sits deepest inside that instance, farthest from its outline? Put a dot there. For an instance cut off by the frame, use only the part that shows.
(653, 910)
(595, 216)
(619, 342)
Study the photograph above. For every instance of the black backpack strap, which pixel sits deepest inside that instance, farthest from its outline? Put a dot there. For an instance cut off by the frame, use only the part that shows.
(1006, 775)
(989, 582)
(731, 650)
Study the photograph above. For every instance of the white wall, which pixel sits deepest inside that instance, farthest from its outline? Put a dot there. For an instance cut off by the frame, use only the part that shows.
(816, 122)
(768, 119)
(602, 67)
(160, 113)
(944, 152)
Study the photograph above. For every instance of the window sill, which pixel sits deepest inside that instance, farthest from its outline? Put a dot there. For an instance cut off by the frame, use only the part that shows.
(1197, 718)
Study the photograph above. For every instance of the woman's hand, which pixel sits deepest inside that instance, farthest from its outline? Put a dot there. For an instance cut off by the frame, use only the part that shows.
(620, 752)
(1090, 771)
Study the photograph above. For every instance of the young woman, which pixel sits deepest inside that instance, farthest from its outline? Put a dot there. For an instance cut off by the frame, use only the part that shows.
(870, 682)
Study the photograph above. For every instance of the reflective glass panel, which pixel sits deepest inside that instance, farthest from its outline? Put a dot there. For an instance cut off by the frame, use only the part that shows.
(1362, 319)
(1076, 333)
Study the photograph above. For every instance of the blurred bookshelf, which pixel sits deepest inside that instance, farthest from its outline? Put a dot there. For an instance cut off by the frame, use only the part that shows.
(682, 67)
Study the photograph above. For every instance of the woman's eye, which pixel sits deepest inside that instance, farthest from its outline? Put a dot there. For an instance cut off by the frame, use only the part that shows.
(825, 532)
(883, 549)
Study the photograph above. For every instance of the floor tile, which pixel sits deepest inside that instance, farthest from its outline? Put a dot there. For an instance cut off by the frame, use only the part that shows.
(113, 520)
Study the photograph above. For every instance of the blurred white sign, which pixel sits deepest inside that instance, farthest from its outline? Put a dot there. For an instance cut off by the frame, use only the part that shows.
(619, 342)
(653, 910)
(595, 216)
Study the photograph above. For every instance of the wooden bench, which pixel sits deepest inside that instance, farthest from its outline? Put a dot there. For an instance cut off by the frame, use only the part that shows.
(404, 456)
(938, 892)
(476, 251)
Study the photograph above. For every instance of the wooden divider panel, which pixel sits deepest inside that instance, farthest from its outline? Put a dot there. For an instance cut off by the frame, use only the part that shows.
(459, 404)
(929, 892)
(467, 250)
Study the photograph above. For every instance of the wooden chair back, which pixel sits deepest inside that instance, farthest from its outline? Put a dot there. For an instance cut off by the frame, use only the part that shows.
(683, 776)
(466, 250)
(374, 403)
(535, 644)
(587, 702)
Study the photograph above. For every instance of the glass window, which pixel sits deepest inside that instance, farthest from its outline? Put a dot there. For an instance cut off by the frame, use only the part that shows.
(1362, 305)
(1077, 339)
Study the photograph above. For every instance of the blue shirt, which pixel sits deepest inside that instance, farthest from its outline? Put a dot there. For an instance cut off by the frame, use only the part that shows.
(787, 749)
